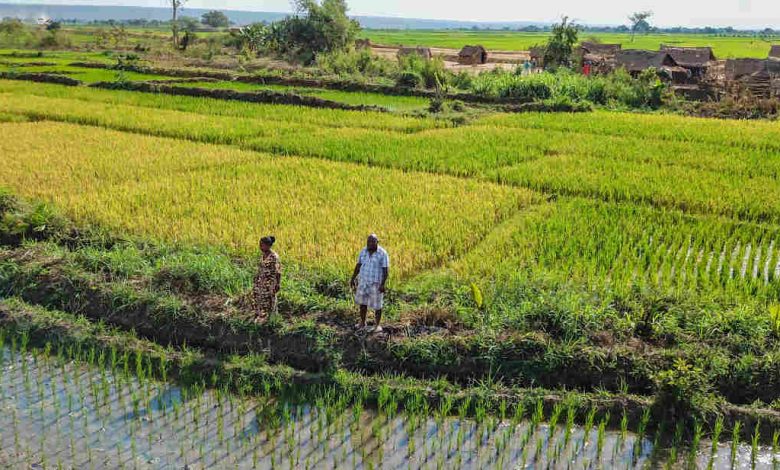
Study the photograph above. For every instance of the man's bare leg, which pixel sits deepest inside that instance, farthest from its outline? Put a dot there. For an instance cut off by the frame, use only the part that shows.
(363, 314)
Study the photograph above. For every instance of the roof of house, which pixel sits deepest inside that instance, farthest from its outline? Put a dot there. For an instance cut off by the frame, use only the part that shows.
(774, 52)
(690, 56)
(472, 50)
(420, 51)
(600, 49)
(636, 60)
(537, 51)
(736, 68)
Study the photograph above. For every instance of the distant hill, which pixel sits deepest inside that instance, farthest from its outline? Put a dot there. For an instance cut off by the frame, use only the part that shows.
(86, 13)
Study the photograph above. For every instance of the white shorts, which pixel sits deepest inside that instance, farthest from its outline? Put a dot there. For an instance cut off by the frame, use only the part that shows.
(370, 296)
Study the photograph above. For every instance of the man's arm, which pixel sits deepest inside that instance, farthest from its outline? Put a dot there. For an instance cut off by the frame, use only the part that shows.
(355, 275)
(385, 274)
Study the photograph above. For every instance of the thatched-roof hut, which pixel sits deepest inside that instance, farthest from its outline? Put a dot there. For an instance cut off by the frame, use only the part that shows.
(738, 68)
(473, 55)
(599, 49)
(637, 60)
(690, 57)
(695, 59)
(363, 43)
(423, 52)
(753, 75)
(774, 52)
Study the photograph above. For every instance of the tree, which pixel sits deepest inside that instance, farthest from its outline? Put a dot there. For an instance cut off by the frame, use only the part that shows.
(315, 28)
(53, 25)
(251, 37)
(11, 26)
(176, 5)
(639, 22)
(188, 23)
(561, 43)
(215, 19)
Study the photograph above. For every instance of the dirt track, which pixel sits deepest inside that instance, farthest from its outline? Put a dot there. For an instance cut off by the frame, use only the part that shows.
(496, 59)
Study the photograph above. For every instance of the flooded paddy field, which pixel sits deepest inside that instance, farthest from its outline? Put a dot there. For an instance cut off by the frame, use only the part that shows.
(106, 412)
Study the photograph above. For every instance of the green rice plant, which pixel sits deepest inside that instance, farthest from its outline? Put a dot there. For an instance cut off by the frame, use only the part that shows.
(554, 417)
(570, 415)
(754, 442)
(735, 435)
(519, 412)
(538, 415)
(695, 441)
(601, 436)
(774, 318)
(589, 419)
(623, 426)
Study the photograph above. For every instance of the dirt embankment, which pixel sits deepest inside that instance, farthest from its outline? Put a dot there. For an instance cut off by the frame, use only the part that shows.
(41, 78)
(319, 341)
(260, 96)
(331, 84)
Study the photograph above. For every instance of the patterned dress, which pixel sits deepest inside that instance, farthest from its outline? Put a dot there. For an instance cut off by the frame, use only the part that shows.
(265, 284)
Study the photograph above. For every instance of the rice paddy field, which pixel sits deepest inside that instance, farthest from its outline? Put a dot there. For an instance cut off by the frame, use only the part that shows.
(590, 290)
(724, 47)
(103, 405)
(680, 201)
(60, 63)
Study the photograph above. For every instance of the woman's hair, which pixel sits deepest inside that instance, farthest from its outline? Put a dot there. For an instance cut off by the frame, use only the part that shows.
(269, 240)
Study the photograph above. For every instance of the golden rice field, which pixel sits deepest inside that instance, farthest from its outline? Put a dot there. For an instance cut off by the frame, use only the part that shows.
(204, 194)
(623, 200)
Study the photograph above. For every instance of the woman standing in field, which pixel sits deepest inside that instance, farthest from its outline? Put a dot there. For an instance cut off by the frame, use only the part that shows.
(267, 280)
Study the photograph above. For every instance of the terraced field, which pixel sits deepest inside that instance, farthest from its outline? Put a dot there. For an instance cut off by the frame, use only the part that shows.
(674, 177)
(620, 271)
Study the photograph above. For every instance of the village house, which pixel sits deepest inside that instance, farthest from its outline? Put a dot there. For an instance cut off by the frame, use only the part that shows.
(694, 59)
(473, 55)
(636, 61)
(597, 57)
(598, 48)
(423, 52)
(752, 75)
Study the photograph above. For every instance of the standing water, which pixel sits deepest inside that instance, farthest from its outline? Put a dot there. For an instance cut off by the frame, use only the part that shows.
(60, 414)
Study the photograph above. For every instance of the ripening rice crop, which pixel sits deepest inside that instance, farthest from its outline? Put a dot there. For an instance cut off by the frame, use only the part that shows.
(754, 198)
(267, 112)
(723, 133)
(194, 193)
(700, 166)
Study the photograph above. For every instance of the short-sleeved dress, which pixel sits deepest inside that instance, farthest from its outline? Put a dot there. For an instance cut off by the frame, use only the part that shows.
(265, 284)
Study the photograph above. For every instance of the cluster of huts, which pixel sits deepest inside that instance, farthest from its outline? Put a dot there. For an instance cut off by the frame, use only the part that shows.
(469, 55)
(694, 71)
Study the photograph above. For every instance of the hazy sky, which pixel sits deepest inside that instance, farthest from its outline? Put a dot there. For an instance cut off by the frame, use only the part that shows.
(739, 13)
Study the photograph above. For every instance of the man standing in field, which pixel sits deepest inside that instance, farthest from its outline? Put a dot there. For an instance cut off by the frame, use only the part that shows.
(368, 281)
